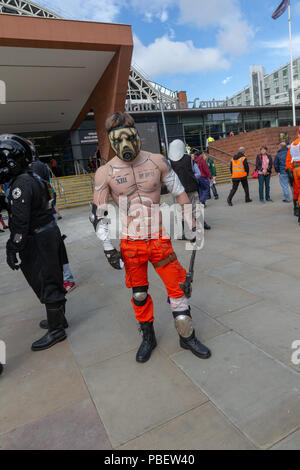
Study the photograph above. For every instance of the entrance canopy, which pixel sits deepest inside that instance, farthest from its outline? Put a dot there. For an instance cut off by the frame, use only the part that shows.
(57, 70)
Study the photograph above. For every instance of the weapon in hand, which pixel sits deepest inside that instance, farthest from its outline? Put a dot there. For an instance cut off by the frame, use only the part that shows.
(187, 287)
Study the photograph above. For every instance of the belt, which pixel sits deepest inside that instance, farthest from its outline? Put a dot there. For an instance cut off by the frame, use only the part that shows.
(165, 262)
(46, 227)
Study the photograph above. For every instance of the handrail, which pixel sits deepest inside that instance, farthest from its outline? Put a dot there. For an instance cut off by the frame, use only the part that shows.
(252, 162)
(82, 171)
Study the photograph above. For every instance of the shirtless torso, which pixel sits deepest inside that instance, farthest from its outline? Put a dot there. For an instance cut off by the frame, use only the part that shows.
(136, 188)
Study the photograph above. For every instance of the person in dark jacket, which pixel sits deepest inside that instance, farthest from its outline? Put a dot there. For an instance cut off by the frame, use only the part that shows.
(204, 181)
(213, 171)
(280, 167)
(34, 235)
(264, 165)
(184, 168)
(239, 168)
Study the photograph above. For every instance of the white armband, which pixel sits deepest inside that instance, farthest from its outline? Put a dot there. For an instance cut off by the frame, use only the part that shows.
(102, 233)
(173, 184)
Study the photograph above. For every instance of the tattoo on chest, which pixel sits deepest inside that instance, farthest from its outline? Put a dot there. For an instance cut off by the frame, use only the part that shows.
(121, 180)
(146, 174)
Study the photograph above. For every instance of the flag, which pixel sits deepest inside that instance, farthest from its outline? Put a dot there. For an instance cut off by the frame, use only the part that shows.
(281, 9)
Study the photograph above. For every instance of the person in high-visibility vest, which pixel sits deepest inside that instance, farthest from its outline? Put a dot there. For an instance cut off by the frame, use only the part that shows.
(239, 168)
(293, 171)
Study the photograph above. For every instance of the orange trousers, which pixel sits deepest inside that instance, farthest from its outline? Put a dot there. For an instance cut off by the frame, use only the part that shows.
(136, 255)
(296, 184)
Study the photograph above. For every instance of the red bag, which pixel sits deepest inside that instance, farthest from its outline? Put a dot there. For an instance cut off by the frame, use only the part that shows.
(255, 174)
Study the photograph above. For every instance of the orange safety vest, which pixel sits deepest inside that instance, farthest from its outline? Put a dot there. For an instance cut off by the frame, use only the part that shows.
(238, 169)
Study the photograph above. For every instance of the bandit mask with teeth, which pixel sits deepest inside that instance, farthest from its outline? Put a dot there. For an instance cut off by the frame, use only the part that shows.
(125, 142)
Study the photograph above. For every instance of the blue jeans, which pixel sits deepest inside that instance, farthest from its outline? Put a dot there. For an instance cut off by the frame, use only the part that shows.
(285, 184)
(68, 276)
(264, 181)
(204, 189)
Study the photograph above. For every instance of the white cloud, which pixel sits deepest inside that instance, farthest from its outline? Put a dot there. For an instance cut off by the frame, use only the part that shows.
(227, 80)
(281, 46)
(93, 10)
(165, 56)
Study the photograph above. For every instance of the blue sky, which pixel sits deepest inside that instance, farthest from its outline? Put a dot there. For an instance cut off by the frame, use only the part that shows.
(202, 46)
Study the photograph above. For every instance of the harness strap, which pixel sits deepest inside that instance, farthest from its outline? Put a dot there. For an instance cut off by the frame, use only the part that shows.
(165, 262)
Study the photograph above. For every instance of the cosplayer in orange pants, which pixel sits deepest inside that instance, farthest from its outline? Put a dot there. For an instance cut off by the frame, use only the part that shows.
(293, 170)
(136, 255)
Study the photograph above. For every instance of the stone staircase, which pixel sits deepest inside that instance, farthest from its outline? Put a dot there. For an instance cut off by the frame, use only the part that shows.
(223, 172)
(74, 190)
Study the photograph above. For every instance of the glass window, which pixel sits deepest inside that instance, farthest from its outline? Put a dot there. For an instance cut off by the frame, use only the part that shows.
(275, 76)
(285, 72)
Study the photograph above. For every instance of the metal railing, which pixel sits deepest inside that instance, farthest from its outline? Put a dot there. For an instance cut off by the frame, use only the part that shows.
(252, 162)
(58, 186)
(82, 171)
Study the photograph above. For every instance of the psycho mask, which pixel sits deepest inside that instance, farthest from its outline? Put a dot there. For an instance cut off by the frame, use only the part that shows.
(126, 143)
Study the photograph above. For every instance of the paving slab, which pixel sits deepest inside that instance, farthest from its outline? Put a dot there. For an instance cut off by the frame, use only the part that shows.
(203, 428)
(258, 394)
(134, 398)
(270, 327)
(290, 266)
(257, 256)
(292, 442)
(77, 427)
(35, 385)
(216, 297)
(102, 335)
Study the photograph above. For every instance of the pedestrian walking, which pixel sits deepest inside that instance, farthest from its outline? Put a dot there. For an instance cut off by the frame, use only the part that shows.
(264, 165)
(239, 168)
(213, 171)
(280, 168)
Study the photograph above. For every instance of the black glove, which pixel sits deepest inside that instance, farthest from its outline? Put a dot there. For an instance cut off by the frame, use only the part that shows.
(115, 259)
(12, 260)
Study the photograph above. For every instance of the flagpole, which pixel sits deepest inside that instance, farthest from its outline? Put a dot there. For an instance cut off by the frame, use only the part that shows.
(292, 67)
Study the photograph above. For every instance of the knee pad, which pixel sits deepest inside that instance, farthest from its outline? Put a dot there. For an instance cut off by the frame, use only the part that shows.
(184, 323)
(140, 296)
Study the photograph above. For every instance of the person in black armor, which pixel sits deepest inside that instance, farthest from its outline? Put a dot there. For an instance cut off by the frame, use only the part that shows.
(34, 235)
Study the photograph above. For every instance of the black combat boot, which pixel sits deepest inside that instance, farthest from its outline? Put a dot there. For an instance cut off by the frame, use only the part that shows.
(194, 345)
(56, 332)
(44, 323)
(296, 209)
(149, 342)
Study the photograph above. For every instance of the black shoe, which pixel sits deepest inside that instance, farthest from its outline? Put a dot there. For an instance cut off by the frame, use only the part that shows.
(148, 344)
(49, 340)
(194, 345)
(229, 203)
(56, 332)
(216, 198)
(248, 200)
(296, 209)
(206, 226)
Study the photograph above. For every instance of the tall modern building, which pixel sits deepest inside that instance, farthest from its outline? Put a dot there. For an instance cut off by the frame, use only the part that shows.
(269, 89)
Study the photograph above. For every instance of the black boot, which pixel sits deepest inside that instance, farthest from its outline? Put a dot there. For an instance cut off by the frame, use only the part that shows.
(56, 332)
(149, 342)
(1, 368)
(206, 226)
(194, 345)
(229, 202)
(296, 209)
(44, 323)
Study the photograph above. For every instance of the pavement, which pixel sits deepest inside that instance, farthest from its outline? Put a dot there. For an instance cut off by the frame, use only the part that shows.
(89, 393)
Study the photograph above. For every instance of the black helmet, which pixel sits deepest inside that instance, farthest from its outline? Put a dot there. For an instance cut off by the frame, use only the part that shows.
(16, 153)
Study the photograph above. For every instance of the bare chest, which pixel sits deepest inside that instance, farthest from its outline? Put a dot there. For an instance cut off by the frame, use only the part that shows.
(131, 180)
